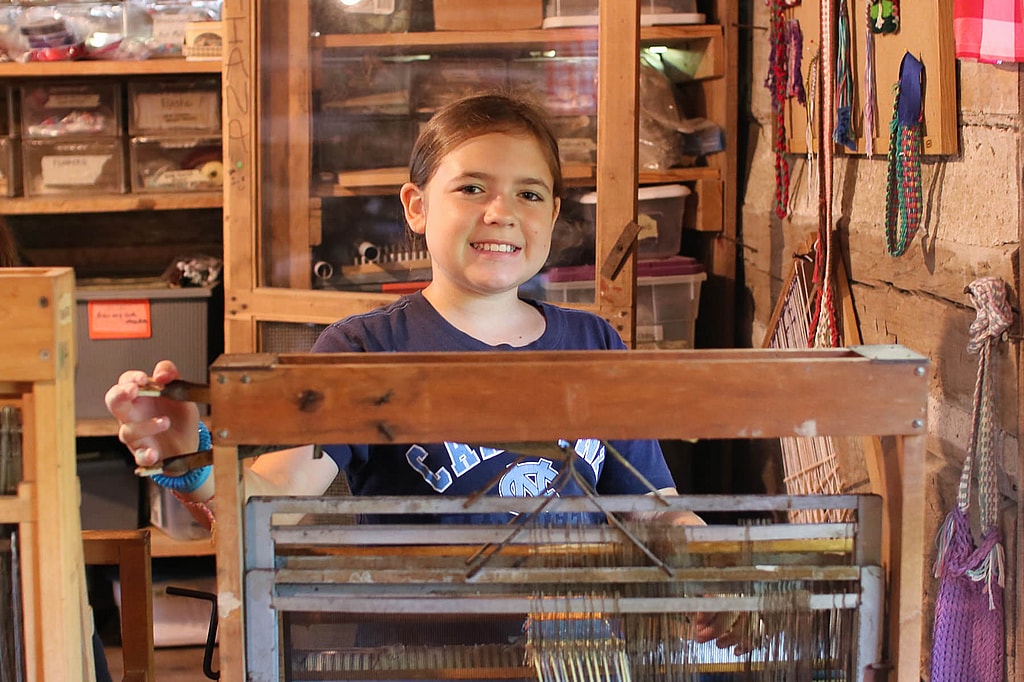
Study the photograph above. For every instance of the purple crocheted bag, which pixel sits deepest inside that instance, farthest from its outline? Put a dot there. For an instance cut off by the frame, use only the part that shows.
(968, 639)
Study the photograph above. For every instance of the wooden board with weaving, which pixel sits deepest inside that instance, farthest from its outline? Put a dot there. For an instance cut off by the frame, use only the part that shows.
(530, 397)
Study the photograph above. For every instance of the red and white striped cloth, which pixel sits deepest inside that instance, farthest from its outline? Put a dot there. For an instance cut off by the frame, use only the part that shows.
(990, 31)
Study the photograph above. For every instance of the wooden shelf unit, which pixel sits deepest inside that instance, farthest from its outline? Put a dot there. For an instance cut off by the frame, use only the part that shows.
(145, 67)
(271, 186)
(111, 203)
(26, 207)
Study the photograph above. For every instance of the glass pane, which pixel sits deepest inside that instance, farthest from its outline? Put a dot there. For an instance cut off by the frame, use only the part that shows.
(346, 86)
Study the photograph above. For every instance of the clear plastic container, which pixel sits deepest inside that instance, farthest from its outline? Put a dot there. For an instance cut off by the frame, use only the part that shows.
(361, 16)
(660, 214)
(10, 177)
(66, 109)
(346, 143)
(567, 85)
(169, 19)
(667, 298)
(366, 85)
(66, 166)
(562, 13)
(168, 514)
(176, 107)
(183, 164)
(494, 15)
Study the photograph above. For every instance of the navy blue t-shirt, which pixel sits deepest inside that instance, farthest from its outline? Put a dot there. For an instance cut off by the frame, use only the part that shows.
(411, 324)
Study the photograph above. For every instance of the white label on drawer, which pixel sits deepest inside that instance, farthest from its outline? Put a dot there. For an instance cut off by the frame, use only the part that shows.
(170, 29)
(163, 110)
(84, 169)
(650, 332)
(370, 7)
(189, 178)
(648, 227)
(78, 100)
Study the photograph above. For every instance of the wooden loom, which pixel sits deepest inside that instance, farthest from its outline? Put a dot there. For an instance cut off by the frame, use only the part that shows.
(523, 397)
(37, 361)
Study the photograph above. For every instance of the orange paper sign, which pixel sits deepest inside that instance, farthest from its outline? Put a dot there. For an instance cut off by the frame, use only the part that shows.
(120, 320)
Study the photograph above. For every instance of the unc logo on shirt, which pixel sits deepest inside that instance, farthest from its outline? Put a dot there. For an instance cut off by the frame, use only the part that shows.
(521, 478)
(528, 479)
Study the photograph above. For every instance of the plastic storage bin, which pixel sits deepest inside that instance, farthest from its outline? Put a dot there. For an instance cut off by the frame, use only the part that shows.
(7, 114)
(73, 166)
(160, 164)
(366, 85)
(667, 297)
(660, 214)
(168, 514)
(567, 85)
(158, 107)
(493, 15)
(347, 143)
(577, 138)
(361, 16)
(110, 491)
(561, 13)
(438, 81)
(105, 322)
(51, 110)
(10, 167)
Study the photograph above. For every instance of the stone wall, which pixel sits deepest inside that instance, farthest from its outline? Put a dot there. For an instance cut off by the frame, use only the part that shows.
(971, 229)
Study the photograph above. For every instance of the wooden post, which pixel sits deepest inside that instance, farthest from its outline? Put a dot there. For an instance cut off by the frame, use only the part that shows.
(37, 363)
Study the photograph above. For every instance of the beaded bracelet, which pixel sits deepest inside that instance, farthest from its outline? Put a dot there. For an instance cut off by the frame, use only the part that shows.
(190, 481)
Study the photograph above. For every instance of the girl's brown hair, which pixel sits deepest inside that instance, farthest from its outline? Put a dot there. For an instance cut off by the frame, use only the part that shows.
(471, 117)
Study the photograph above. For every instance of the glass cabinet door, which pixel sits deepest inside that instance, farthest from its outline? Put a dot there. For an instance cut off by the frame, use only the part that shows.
(325, 98)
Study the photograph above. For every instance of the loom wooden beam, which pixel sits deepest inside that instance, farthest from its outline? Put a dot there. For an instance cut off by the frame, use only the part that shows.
(482, 397)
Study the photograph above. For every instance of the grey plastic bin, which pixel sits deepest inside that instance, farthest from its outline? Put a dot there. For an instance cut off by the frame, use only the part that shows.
(178, 323)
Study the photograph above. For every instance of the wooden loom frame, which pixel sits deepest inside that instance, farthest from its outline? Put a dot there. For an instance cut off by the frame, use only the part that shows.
(37, 363)
(375, 398)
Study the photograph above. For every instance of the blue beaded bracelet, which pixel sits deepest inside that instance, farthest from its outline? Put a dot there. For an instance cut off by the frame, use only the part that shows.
(190, 481)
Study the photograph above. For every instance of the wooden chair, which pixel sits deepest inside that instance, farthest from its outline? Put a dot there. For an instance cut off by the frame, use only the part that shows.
(129, 550)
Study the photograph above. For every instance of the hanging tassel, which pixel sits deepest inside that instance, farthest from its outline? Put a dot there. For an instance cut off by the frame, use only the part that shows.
(870, 93)
(843, 131)
(943, 540)
(991, 568)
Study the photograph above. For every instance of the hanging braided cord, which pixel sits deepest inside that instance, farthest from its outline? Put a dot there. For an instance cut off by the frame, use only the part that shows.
(776, 82)
(823, 318)
(812, 110)
(843, 131)
(870, 93)
(903, 200)
(794, 62)
(994, 317)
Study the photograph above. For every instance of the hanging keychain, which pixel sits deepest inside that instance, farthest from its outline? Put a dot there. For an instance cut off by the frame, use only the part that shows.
(903, 201)
(885, 16)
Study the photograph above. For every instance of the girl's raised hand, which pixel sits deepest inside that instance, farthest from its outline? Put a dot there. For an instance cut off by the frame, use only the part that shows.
(153, 428)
